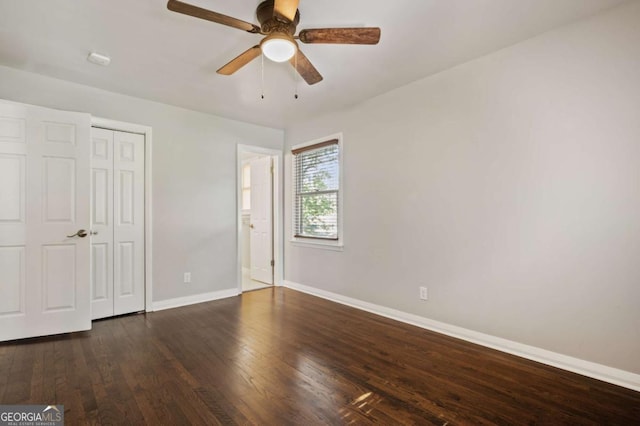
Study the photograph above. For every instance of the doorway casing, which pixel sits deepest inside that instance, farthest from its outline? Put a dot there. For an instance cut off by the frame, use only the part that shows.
(278, 243)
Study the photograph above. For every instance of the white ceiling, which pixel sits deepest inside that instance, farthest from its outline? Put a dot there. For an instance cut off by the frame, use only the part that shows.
(167, 57)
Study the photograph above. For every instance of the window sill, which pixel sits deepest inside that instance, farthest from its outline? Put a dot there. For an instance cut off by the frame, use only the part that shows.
(322, 245)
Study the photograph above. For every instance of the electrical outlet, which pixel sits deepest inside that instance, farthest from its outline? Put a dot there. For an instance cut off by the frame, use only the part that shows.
(187, 277)
(423, 293)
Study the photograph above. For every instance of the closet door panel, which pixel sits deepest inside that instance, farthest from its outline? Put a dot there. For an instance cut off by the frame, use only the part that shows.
(101, 223)
(128, 169)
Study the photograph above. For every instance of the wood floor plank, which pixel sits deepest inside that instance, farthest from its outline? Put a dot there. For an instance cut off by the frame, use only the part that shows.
(279, 357)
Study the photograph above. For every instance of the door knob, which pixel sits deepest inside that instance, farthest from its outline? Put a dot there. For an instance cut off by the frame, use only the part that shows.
(251, 226)
(81, 233)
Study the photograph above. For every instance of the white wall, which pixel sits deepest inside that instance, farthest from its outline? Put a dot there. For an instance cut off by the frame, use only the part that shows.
(194, 174)
(509, 186)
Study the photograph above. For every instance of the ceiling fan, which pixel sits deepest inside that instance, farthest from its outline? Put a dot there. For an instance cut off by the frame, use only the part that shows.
(278, 20)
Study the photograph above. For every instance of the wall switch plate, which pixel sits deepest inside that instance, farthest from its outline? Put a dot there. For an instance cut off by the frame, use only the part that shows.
(423, 293)
(187, 277)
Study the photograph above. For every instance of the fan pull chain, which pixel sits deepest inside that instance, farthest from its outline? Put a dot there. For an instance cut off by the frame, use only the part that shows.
(262, 76)
(296, 74)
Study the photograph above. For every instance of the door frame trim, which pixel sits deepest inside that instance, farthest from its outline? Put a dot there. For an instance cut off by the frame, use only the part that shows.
(123, 126)
(278, 219)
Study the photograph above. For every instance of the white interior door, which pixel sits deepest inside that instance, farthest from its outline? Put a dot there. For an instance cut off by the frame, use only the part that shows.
(261, 225)
(117, 223)
(44, 221)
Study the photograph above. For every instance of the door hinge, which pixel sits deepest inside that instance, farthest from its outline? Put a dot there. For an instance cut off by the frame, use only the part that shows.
(273, 263)
(271, 169)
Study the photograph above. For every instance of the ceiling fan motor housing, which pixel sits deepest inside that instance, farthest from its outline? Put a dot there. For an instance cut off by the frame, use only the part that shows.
(270, 22)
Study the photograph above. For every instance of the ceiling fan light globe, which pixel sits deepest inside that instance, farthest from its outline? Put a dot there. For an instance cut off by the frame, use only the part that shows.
(278, 49)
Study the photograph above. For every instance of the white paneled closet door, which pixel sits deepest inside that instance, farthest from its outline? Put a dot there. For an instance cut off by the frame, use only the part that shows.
(117, 246)
(101, 223)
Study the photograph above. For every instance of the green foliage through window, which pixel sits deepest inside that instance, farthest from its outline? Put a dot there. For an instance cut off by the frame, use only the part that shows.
(316, 191)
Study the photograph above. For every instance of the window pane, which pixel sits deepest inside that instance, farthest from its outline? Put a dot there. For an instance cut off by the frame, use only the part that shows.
(246, 176)
(316, 190)
(246, 199)
(318, 169)
(318, 215)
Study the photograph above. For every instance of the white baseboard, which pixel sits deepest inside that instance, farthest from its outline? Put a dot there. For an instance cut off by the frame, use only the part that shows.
(196, 298)
(554, 359)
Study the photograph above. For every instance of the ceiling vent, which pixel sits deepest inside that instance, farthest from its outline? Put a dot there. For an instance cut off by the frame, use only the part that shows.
(98, 59)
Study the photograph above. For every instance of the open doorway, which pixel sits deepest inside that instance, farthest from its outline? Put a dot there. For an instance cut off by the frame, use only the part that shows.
(259, 218)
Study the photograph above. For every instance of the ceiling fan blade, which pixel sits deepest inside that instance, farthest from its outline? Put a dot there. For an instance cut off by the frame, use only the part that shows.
(305, 68)
(240, 61)
(286, 8)
(198, 12)
(341, 35)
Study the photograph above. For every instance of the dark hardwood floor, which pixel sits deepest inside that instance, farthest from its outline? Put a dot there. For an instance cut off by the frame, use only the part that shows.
(278, 357)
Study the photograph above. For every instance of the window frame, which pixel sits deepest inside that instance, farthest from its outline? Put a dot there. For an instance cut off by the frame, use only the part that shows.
(323, 243)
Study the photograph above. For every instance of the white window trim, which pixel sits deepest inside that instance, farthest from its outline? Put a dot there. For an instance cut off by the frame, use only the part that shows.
(336, 245)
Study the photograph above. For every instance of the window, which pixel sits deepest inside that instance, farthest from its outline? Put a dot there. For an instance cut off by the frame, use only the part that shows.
(246, 187)
(317, 198)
